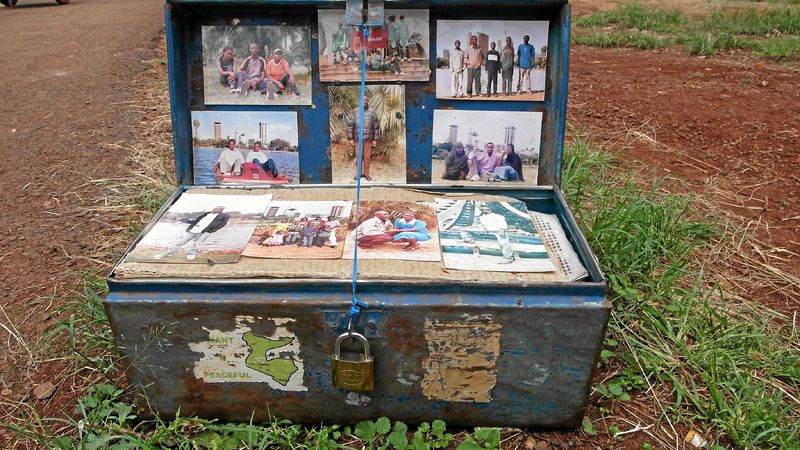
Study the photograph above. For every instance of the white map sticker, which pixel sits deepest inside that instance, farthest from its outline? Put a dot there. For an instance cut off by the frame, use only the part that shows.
(241, 356)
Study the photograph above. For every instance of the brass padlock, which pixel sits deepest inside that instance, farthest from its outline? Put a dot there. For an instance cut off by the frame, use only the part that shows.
(355, 372)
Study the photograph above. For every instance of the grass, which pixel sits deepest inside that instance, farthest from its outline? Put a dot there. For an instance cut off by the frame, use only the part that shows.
(783, 47)
(635, 15)
(728, 365)
(783, 20)
(768, 32)
(641, 41)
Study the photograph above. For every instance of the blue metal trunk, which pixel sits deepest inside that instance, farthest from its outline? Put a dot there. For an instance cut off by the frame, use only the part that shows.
(469, 352)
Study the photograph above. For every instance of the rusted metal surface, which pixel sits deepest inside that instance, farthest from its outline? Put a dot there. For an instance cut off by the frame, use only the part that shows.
(469, 364)
(471, 353)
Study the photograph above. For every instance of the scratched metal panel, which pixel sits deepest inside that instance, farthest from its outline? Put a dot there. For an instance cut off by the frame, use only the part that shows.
(184, 19)
(470, 353)
(506, 364)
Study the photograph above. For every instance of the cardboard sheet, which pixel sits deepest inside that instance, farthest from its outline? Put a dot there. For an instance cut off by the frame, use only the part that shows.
(337, 269)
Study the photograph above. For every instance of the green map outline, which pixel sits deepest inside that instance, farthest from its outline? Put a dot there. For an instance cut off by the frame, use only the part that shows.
(279, 369)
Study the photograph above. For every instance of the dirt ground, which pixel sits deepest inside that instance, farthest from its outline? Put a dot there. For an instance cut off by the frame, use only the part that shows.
(65, 104)
(729, 125)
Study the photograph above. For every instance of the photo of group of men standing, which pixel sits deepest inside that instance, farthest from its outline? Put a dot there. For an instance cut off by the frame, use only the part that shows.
(474, 59)
(487, 63)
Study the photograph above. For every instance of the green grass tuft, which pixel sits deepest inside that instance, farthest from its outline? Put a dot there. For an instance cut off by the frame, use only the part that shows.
(707, 44)
(727, 364)
(770, 32)
(84, 326)
(782, 47)
(764, 22)
(635, 15)
(618, 39)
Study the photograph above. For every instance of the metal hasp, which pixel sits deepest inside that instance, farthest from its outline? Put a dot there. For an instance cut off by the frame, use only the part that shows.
(355, 370)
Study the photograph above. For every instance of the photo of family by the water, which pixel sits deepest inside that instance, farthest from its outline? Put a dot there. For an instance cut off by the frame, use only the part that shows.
(490, 236)
(245, 148)
(202, 228)
(481, 147)
(384, 151)
(256, 65)
(394, 230)
(301, 230)
(491, 59)
(399, 50)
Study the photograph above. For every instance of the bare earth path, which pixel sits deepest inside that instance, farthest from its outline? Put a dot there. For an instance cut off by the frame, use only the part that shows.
(64, 99)
(730, 128)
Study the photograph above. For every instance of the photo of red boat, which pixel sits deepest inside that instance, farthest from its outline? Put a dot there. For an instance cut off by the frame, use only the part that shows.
(251, 173)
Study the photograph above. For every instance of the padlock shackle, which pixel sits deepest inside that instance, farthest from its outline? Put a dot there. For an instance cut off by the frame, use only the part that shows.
(353, 335)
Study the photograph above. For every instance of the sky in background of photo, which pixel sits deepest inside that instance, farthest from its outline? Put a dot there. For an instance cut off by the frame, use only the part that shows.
(308, 208)
(448, 31)
(246, 204)
(491, 126)
(280, 124)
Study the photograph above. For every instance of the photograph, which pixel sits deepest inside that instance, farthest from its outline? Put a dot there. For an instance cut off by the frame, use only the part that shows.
(485, 147)
(256, 65)
(397, 51)
(491, 59)
(384, 151)
(301, 230)
(245, 148)
(490, 236)
(202, 228)
(354, 13)
(394, 230)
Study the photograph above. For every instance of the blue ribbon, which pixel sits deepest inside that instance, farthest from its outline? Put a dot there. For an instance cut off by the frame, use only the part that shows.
(357, 305)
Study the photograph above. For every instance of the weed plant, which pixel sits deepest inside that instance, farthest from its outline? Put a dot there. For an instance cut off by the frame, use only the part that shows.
(641, 41)
(771, 32)
(635, 15)
(731, 367)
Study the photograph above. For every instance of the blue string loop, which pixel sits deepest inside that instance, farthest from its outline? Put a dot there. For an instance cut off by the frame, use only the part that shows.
(357, 305)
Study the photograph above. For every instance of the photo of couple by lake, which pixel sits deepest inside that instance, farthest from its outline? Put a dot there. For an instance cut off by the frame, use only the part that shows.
(245, 148)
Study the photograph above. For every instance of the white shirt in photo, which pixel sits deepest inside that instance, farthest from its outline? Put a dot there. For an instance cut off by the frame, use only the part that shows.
(261, 157)
(230, 157)
(493, 222)
(372, 227)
